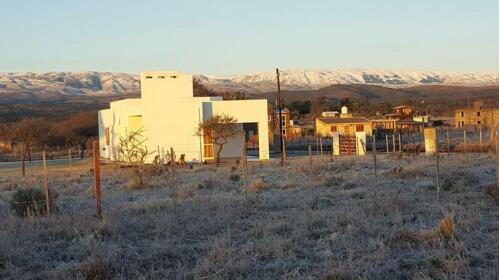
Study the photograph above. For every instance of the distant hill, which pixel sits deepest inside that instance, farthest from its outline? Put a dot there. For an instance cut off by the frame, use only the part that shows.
(57, 94)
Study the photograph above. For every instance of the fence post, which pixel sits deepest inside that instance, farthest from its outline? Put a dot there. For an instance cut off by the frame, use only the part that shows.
(70, 159)
(173, 166)
(497, 156)
(46, 182)
(375, 161)
(387, 146)
(438, 169)
(393, 142)
(96, 152)
(481, 136)
(400, 142)
(243, 163)
(320, 142)
(465, 145)
(284, 155)
(448, 141)
(312, 179)
(23, 159)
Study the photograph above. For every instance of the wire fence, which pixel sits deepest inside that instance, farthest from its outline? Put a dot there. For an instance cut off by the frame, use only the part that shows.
(445, 138)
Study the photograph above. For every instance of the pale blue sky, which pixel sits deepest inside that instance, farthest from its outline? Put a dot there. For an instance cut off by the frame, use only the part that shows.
(233, 37)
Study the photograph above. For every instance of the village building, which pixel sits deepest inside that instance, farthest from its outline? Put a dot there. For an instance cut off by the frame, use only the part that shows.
(345, 124)
(169, 114)
(286, 121)
(476, 115)
(402, 118)
(348, 133)
(6, 146)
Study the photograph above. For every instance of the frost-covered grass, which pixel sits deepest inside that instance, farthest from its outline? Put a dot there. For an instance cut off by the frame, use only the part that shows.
(357, 230)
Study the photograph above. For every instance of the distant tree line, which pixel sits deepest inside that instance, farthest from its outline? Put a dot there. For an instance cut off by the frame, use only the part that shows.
(75, 131)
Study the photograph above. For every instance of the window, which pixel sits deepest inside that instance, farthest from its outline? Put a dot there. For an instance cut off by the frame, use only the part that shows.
(284, 132)
(478, 122)
(148, 77)
(334, 128)
(462, 114)
(107, 136)
(478, 114)
(359, 127)
(161, 77)
(173, 77)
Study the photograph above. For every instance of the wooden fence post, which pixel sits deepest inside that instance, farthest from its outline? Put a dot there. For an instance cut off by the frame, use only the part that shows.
(481, 135)
(320, 142)
(312, 179)
(96, 152)
(283, 149)
(393, 142)
(23, 160)
(448, 141)
(387, 144)
(70, 160)
(173, 187)
(46, 182)
(438, 169)
(375, 160)
(465, 144)
(243, 164)
(400, 142)
(497, 156)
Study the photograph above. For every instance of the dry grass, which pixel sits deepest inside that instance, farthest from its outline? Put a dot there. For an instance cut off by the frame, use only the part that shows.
(447, 228)
(213, 234)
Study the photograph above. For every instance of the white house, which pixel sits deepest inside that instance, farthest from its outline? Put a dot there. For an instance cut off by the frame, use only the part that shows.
(169, 114)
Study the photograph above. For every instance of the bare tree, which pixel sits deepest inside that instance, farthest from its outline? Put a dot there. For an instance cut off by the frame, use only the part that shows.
(79, 129)
(31, 132)
(131, 150)
(218, 128)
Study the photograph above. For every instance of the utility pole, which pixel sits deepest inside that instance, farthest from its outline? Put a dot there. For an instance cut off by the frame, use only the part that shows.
(279, 105)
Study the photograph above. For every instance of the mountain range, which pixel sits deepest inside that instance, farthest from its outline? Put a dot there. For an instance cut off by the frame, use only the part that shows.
(27, 86)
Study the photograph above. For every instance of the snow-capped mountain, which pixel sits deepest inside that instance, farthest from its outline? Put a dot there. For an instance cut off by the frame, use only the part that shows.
(69, 83)
(105, 83)
(315, 79)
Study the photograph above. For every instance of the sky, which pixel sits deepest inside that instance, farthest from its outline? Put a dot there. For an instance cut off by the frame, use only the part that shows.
(237, 37)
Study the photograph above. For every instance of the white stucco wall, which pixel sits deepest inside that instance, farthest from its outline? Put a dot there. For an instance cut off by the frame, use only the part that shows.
(170, 115)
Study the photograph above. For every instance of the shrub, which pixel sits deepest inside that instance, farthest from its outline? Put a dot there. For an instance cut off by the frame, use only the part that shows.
(493, 191)
(96, 269)
(208, 183)
(257, 185)
(185, 192)
(447, 227)
(30, 202)
(235, 177)
(333, 181)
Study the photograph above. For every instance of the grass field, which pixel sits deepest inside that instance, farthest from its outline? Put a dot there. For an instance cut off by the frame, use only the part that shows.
(355, 229)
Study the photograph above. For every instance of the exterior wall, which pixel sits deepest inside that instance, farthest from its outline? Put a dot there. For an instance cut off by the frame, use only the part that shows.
(256, 114)
(388, 124)
(324, 129)
(430, 140)
(487, 117)
(169, 116)
(233, 147)
(286, 127)
(360, 139)
(105, 120)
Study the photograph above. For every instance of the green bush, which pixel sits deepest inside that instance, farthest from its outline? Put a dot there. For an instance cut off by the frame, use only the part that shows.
(30, 202)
